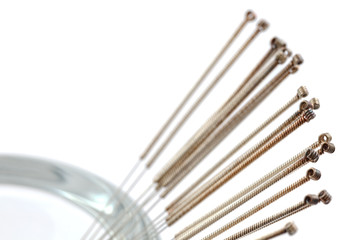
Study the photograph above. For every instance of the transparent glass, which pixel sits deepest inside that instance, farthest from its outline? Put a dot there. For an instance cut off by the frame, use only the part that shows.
(84, 189)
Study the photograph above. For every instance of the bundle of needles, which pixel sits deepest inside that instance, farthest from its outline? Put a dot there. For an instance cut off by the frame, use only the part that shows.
(239, 105)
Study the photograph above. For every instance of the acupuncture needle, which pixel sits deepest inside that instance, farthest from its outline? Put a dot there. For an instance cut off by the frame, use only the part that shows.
(268, 54)
(251, 191)
(208, 145)
(249, 16)
(323, 138)
(209, 135)
(301, 92)
(311, 174)
(262, 25)
(265, 71)
(220, 115)
(253, 149)
(281, 127)
(310, 156)
(190, 233)
(247, 194)
(236, 166)
(173, 207)
(239, 164)
(310, 200)
(274, 43)
(224, 130)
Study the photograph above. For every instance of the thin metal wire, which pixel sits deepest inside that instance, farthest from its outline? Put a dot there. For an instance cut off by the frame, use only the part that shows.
(249, 16)
(122, 223)
(160, 217)
(123, 213)
(193, 142)
(153, 232)
(238, 165)
(160, 225)
(159, 231)
(147, 226)
(133, 209)
(153, 223)
(151, 226)
(118, 191)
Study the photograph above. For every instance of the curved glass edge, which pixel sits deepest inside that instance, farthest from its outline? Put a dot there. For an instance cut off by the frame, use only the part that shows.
(82, 188)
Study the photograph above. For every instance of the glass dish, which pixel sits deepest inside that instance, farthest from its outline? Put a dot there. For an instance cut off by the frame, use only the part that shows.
(83, 189)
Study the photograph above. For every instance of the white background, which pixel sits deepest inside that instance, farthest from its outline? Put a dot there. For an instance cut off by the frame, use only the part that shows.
(90, 82)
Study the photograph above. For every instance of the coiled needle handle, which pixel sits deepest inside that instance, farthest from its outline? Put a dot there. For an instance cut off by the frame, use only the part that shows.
(289, 228)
